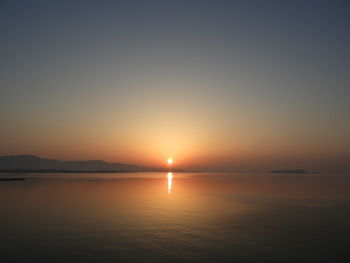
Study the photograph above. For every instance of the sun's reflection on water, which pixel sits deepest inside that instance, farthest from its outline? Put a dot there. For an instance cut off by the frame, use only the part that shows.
(170, 182)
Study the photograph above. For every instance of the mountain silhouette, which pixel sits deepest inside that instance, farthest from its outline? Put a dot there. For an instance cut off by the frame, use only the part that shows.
(32, 163)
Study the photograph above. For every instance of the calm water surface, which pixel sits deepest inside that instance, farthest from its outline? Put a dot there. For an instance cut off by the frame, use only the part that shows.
(160, 217)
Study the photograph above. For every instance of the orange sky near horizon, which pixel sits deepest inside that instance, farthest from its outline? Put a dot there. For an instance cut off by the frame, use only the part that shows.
(150, 139)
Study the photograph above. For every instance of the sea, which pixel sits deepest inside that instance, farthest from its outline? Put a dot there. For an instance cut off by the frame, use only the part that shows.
(174, 217)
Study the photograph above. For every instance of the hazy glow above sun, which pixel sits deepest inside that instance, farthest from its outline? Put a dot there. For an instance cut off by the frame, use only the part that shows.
(170, 160)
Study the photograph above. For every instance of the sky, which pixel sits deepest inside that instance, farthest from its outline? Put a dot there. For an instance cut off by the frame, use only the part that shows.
(216, 85)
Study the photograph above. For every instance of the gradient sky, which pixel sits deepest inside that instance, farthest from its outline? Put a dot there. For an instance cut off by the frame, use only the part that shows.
(217, 85)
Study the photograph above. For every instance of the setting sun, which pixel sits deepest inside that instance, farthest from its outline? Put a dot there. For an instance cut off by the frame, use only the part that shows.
(170, 160)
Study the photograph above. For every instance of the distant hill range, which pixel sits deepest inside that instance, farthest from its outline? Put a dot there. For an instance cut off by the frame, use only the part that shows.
(32, 163)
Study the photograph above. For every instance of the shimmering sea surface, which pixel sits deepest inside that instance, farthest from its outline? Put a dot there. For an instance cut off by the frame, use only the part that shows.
(178, 217)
